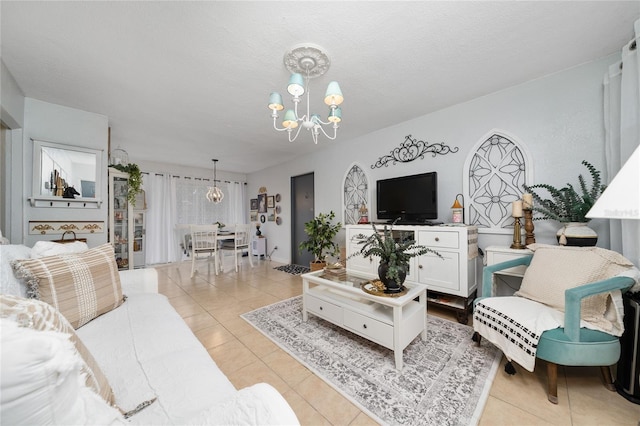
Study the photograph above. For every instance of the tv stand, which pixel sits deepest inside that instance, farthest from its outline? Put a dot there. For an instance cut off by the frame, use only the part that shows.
(425, 222)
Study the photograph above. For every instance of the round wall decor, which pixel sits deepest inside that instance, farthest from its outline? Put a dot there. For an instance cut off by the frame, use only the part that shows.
(262, 218)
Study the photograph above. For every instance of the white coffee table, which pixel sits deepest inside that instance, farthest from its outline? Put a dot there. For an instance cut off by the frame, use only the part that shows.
(392, 322)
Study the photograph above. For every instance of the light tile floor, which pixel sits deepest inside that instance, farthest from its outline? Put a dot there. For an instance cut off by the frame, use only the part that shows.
(211, 306)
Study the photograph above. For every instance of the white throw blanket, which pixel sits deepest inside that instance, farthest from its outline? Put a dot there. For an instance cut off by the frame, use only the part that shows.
(514, 324)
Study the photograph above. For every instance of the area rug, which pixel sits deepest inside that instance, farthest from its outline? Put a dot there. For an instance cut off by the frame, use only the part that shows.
(445, 379)
(293, 269)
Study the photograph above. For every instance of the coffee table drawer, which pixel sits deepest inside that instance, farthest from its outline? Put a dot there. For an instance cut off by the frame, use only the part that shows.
(370, 328)
(324, 309)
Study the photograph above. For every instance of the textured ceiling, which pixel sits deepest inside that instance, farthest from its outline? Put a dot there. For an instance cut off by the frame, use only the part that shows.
(184, 82)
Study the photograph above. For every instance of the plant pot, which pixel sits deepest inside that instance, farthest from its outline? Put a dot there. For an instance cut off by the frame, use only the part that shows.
(391, 286)
(317, 265)
(576, 234)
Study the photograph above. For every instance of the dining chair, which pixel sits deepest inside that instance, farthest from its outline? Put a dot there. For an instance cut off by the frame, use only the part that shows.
(239, 244)
(204, 241)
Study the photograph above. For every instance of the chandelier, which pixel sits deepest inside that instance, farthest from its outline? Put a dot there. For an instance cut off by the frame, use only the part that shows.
(214, 194)
(307, 61)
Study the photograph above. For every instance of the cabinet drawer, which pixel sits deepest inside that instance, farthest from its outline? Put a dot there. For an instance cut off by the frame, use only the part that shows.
(370, 328)
(324, 309)
(439, 239)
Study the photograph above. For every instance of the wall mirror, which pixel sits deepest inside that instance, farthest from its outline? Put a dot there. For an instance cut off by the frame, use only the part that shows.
(59, 167)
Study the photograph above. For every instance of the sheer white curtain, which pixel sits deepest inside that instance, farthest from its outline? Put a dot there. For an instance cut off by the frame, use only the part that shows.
(622, 134)
(237, 196)
(162, 246)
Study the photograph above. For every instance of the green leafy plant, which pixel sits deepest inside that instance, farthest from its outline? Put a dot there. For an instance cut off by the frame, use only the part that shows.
(134, 182)
(321, 232)
(566, 204)
(396, 254)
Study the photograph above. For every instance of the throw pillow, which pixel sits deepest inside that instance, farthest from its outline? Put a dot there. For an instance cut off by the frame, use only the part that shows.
(9, 283)
(49, 248)
(42, 382)
(82, 286)
(555, 269)
(40, 316)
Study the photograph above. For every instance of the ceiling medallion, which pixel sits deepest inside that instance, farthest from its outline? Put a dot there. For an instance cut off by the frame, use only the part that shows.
(307, 59)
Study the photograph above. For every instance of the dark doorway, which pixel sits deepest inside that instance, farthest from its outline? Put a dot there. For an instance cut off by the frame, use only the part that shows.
(302, 211)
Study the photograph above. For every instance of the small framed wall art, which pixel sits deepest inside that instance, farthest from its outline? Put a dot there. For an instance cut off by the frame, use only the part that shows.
(270, 202)
(254, 204)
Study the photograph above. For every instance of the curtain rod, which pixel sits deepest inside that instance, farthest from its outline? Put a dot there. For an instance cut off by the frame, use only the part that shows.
(197, 178)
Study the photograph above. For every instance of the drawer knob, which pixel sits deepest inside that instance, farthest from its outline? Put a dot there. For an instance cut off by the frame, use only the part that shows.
(320, 307)
(437, 238)
(419, 266)
(364, 325)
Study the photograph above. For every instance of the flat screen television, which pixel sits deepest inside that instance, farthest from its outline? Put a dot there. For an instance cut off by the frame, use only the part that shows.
(413, 199)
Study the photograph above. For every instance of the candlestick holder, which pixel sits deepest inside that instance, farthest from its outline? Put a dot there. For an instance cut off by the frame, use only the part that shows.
(517, 238)
(529, 238)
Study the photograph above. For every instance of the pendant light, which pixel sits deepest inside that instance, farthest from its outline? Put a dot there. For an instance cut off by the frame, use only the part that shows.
(214, 194)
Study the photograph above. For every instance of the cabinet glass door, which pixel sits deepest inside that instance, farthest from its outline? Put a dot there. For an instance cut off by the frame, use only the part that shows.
(138, 239)
(121, 222)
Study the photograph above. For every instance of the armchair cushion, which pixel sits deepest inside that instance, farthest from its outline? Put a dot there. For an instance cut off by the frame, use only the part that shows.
(554, 269)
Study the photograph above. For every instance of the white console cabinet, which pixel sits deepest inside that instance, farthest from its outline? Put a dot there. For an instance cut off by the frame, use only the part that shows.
(450, 280)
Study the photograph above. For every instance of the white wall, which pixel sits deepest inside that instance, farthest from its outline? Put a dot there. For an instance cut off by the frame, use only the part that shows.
(12, 115)
(56, 123)
(559, 118)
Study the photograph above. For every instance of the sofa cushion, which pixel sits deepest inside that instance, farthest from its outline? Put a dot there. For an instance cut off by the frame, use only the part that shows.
(41, 316)
(555, 269)
(146, 350)
(42, 381)
(81, 286)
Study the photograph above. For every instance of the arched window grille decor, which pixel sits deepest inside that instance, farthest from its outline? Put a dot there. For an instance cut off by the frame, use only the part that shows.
(495, 171)
(355, 194)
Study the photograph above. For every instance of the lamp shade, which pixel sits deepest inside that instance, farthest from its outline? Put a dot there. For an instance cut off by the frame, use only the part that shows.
(296, 85)
(275, 102)
(333, 96)
(621, 199)
(290, 121)
(335, 115)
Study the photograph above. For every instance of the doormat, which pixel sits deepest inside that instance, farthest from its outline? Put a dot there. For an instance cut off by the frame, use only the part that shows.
(293, 269)
(445, 380)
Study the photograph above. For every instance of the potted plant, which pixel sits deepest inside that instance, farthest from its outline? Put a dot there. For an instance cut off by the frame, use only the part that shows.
(321, 232)
(394, 256)
(569, 206)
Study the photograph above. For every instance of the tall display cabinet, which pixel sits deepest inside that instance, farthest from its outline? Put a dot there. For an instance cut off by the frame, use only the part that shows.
(121, 219)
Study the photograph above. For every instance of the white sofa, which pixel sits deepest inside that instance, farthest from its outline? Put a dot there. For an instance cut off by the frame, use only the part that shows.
(146, 350)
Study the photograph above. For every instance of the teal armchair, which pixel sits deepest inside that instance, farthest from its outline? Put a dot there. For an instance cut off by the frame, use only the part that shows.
(571, 345)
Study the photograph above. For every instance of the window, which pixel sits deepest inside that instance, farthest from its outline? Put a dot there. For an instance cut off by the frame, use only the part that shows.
(355, 195)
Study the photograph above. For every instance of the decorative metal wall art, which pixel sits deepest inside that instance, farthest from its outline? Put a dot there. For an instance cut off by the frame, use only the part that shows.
(58, 227)
(355, 195)
(495, 172)
(412, 149)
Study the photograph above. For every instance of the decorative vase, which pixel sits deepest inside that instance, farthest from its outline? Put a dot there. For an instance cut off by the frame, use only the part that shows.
(576, 234)
(316, 265)
(391, 286)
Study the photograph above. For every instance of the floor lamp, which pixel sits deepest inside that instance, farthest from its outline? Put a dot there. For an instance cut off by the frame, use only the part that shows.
(621, 200)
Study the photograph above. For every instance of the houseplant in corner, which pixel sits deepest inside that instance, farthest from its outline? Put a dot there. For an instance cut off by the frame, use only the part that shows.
(569, 206)
(321, 232)
(394, 256)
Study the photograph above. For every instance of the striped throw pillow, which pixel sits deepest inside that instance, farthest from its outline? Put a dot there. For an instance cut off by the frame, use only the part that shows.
(82, 286)
(40, 316)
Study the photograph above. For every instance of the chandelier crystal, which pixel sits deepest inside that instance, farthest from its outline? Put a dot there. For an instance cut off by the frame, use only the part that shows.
(214, 194)
(307, 61)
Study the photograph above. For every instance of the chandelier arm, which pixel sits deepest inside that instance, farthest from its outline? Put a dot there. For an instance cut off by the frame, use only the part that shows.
(275, 126)
(335, 131)
(296, 136)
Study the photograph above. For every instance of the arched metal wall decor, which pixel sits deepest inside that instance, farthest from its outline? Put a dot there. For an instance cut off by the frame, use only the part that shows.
(495, 170)
(355, 194)
(412, 149)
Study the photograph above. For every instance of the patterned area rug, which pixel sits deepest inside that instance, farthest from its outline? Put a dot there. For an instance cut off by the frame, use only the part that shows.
(445, 379)
(293, 269)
